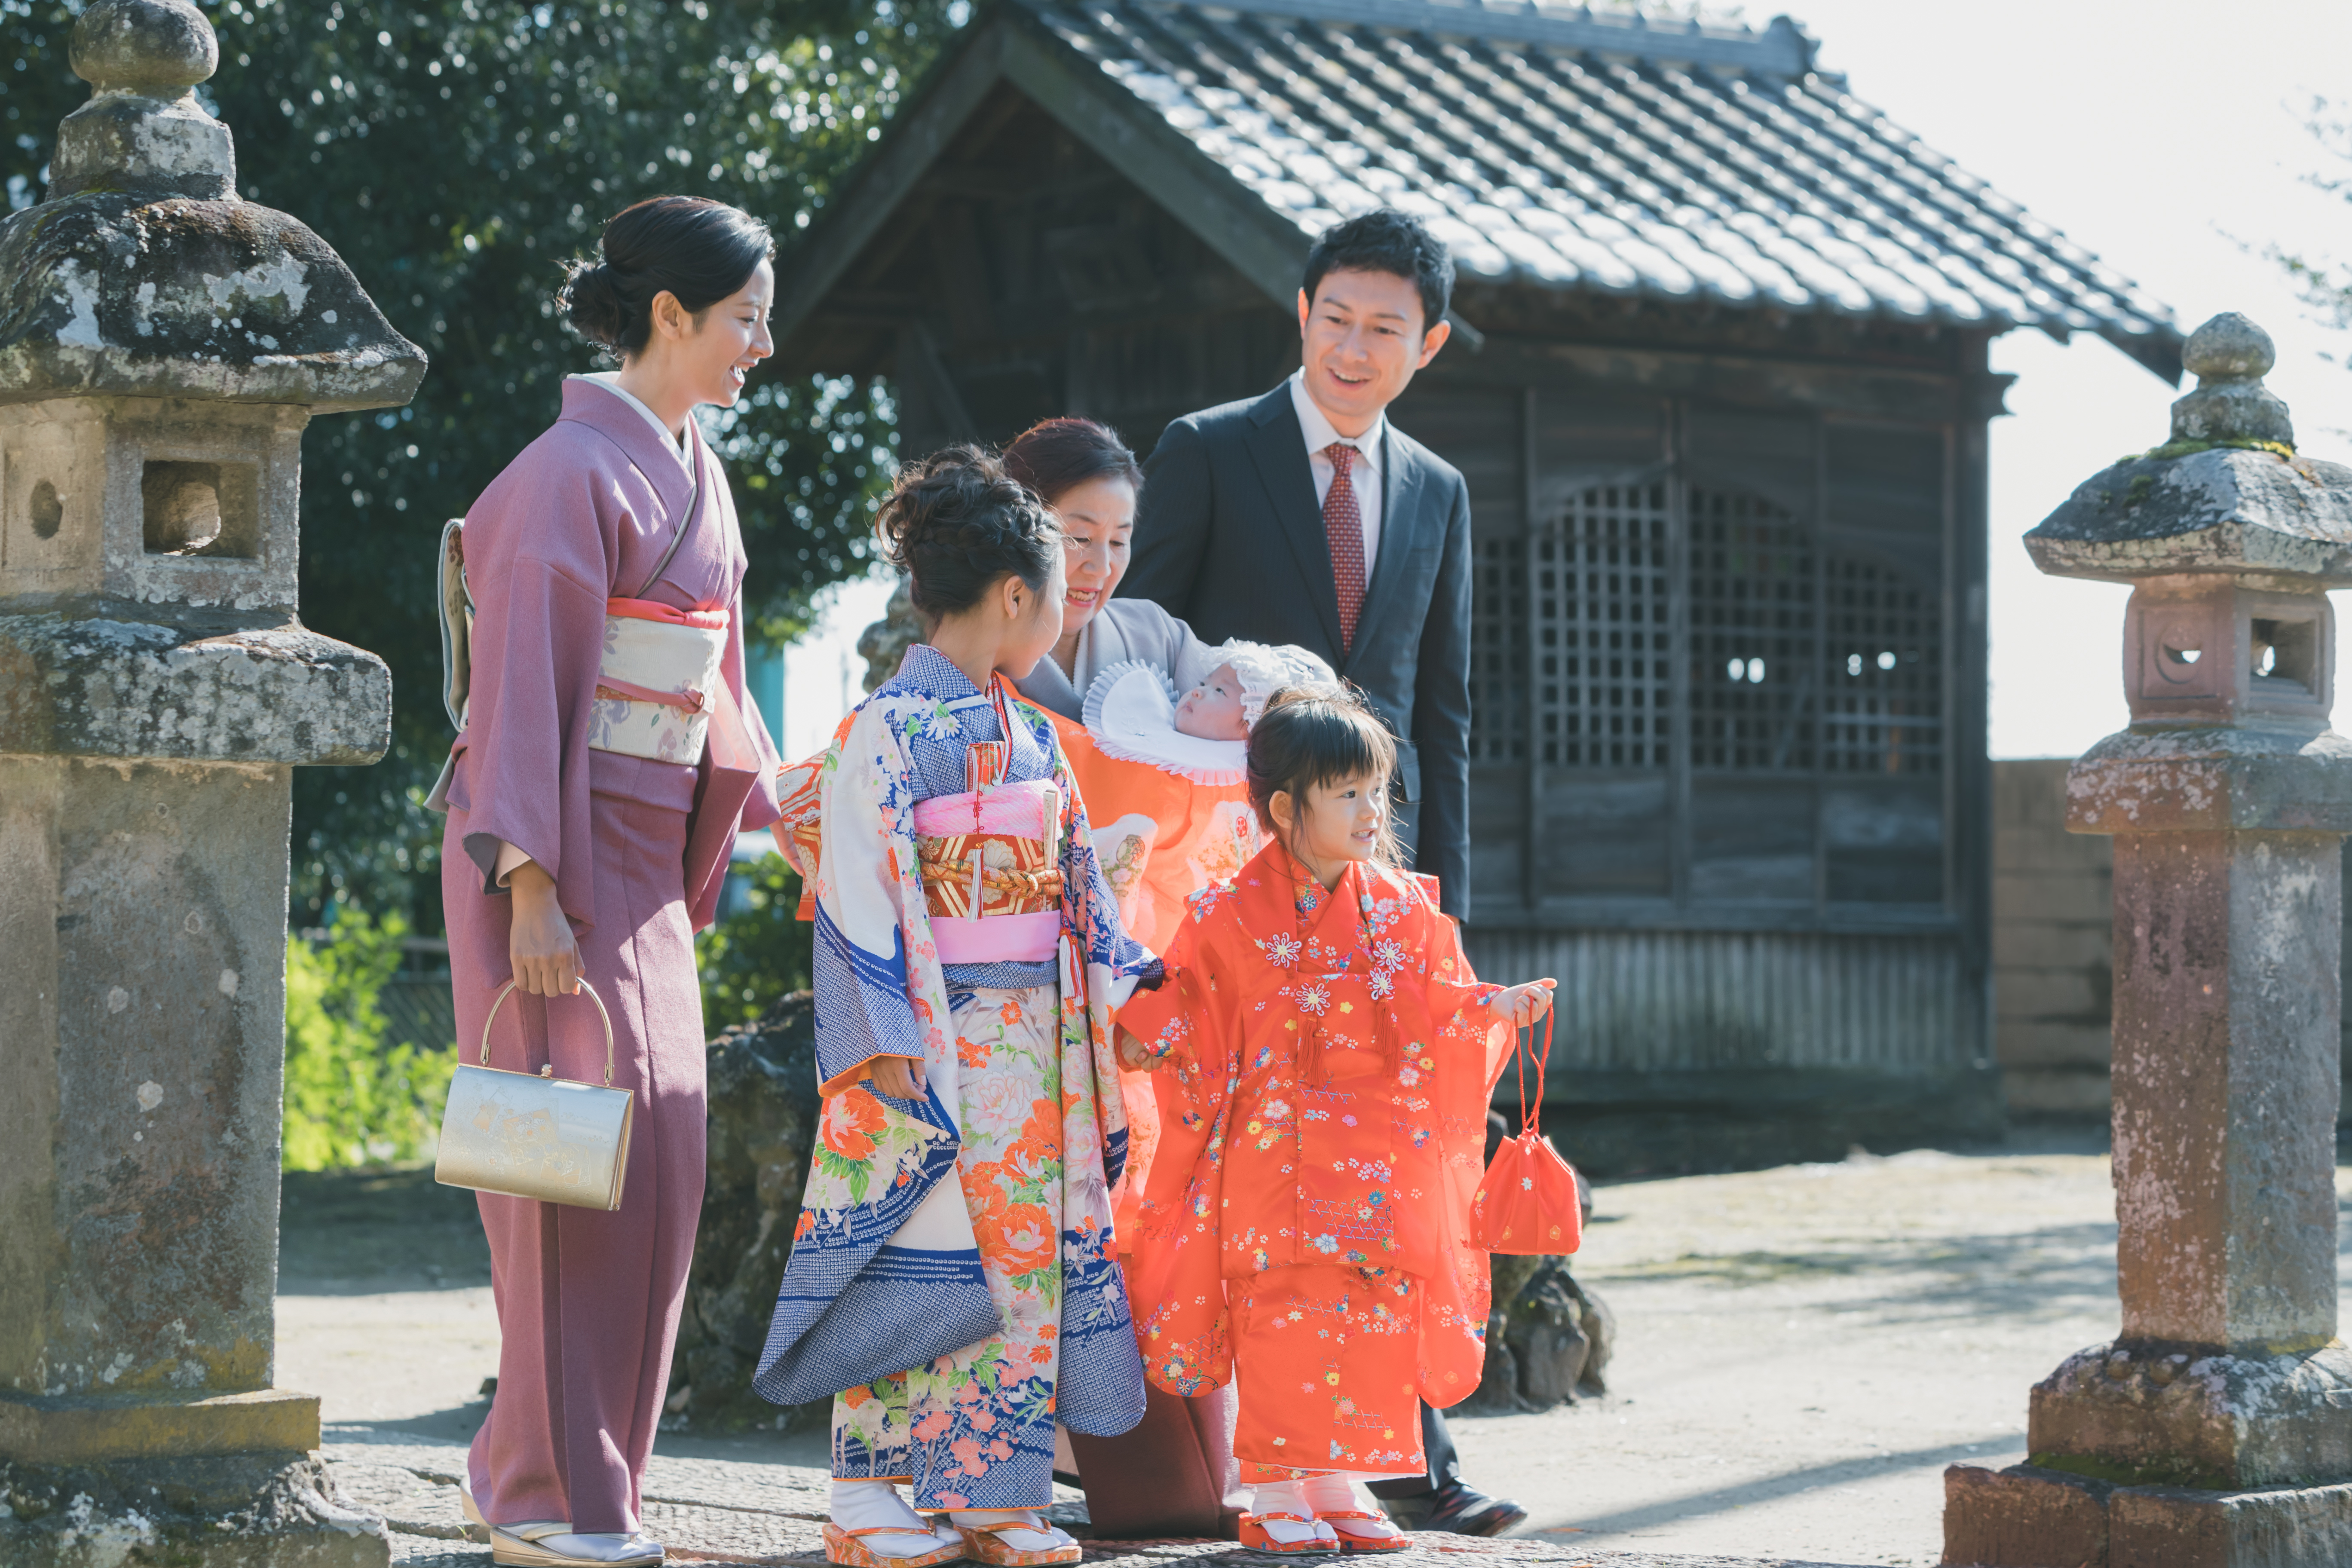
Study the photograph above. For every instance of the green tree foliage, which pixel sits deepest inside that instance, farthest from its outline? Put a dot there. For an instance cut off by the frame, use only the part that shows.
(354, 1096)
(455, 153)
(759, 953)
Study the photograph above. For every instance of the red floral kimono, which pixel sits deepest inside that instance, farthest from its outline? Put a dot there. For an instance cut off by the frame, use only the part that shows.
(1306, 1232)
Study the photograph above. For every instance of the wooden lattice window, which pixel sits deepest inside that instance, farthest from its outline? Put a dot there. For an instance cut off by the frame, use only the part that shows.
(1800, 660)
(1752, 610)
(1600, 620)
(1885, 678)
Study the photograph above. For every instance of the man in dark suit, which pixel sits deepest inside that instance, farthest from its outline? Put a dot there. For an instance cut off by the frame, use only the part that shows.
(1305, 517)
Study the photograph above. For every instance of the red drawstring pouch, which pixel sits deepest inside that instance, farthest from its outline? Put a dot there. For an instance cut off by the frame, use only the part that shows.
(1527, 1202)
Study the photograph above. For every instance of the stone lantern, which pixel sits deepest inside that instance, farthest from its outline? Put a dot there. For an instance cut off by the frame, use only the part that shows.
(2217, 1428)
(163, 344)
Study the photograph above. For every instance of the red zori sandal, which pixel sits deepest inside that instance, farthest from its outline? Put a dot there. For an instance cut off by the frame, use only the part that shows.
(1349, 1541)
(845, 1548)
(1256, 1537)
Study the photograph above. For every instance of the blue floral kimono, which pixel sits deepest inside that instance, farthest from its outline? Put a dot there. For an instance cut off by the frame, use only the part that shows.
(953, 1280)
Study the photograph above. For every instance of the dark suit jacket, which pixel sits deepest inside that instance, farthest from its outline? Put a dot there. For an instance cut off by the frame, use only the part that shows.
(1229, 538)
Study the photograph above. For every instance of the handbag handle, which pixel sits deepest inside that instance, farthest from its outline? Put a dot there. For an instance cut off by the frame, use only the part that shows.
(1530, 1119)
(508, 988)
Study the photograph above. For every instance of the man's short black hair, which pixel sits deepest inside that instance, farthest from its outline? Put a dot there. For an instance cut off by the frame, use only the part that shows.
(1387, 240)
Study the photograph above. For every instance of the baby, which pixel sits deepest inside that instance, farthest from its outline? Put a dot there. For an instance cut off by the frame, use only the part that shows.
(1212, 710)
(1128, 706)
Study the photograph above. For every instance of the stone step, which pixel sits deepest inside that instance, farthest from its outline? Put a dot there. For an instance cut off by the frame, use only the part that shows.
(729, 1510)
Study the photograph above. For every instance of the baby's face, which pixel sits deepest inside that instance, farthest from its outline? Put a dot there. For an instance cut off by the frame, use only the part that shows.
(1213, 709)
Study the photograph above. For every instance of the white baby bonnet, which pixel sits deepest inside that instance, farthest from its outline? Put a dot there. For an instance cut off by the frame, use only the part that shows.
(1130, 711)
(1265, 671)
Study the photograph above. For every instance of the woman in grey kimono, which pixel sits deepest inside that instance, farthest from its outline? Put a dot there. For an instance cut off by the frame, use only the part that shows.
(1085, 474)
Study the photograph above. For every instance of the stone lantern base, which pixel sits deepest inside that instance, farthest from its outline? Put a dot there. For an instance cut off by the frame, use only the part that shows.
(2027, 1517)
(228, 1510)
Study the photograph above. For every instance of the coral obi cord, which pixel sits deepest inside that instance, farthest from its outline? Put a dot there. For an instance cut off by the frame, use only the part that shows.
(690, 701)
(992, 877)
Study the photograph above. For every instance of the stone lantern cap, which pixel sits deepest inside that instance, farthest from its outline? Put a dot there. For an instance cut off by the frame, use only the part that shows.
(144, 274)
(2226, 494)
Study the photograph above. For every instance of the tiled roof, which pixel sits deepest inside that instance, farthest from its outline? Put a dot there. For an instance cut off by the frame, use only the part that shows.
(1593, 151)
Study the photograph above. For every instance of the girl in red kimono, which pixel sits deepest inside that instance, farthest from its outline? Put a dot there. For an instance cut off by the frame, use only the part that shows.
(1306, 1231)
(605, 757)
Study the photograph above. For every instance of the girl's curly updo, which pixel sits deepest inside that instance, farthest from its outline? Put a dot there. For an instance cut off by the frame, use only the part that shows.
(958, 524)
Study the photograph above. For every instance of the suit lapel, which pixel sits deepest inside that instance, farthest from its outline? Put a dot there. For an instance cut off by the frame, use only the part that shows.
(1401, 524)
(1278, 448)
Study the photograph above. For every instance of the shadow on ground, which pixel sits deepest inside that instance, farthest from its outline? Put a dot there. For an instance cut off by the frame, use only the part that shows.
(1722, 1500)
(347, 1232)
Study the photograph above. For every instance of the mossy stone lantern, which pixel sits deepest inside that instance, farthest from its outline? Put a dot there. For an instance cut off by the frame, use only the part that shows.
(163, 344)
(2216, 1429)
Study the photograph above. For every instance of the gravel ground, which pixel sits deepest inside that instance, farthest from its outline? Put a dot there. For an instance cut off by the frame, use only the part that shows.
(1801, 1352)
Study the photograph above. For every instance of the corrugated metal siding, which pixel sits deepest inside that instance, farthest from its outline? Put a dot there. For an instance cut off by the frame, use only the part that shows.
(1705, 1001)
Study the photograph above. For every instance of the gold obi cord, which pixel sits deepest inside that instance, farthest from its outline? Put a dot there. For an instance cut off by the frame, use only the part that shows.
(968, 876)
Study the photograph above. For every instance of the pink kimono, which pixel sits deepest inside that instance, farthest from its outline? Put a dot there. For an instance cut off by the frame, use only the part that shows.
(588, 1301)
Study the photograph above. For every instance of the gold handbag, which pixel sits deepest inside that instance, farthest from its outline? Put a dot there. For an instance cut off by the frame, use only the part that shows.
(535, 1135)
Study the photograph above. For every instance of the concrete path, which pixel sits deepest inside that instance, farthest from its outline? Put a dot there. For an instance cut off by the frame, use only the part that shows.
(1803, 1351)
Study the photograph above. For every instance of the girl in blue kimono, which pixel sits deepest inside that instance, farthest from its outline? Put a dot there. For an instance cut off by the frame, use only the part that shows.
(952, 1283)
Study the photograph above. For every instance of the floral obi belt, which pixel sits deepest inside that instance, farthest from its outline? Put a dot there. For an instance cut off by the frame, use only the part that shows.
(991, 864)
(658, 682)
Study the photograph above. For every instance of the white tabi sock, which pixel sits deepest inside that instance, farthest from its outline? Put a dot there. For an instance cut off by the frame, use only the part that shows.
(1334, 1491)
(876, 1505)
(1290, 1497)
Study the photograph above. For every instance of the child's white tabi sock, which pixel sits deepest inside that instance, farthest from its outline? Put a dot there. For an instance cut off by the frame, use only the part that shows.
(1334, 1491)
(1035, 1534)
(1290, 1497)
(876, 1505)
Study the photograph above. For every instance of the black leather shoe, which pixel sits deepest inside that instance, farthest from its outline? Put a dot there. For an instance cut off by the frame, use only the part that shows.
(1465, 1511)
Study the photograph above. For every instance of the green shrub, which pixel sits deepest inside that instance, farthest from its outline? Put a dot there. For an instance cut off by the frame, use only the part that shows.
(354, 1097)
(758, 954)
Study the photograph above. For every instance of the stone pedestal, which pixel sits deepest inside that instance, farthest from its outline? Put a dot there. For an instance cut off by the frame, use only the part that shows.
(2217, 1428)
(162, 346)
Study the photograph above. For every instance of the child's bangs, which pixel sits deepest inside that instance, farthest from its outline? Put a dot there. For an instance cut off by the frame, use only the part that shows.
(1340, 741)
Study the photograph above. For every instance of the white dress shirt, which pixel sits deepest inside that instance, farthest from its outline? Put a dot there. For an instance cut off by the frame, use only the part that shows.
(1363, 473)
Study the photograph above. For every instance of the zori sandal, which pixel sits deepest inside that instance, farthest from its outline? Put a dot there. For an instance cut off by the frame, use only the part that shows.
(1254, 1536)
(477, 1521)
(1349, 1541)
(986, 1544)
(518, 1546)
(848, 1548)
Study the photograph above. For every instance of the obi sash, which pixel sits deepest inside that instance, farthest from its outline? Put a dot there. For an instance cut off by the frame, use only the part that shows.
(991, 865)
(656, 682)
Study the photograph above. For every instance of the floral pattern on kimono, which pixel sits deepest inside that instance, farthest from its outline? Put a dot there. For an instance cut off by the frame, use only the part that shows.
(966, 1425)
(1335, 1055)
(865, 1298)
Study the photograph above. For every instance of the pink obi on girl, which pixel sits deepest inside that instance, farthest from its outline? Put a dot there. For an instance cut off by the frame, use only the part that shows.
(991, 865)
(657, 681)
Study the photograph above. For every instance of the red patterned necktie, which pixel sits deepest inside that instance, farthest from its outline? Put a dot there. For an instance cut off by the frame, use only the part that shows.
(1343, 523)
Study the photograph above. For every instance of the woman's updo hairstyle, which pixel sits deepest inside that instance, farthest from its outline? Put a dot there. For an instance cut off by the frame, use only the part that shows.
(1317, 734)
(958, 524)
(698, 250)
(1055, 457)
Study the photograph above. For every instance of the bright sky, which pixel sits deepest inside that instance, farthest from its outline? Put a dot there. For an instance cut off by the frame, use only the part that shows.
(2165, 135)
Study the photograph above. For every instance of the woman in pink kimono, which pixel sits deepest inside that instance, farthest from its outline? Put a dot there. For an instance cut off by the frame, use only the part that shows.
(605, 761)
